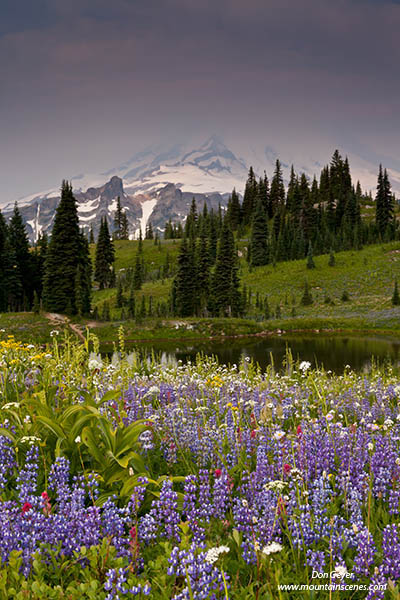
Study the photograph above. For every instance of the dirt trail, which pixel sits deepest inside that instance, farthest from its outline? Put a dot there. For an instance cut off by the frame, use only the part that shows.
(57, 319)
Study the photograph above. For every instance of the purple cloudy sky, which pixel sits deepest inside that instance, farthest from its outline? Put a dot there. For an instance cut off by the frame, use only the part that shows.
(87, 83)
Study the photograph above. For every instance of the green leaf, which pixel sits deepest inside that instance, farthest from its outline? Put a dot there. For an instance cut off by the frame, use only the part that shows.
(52, 425)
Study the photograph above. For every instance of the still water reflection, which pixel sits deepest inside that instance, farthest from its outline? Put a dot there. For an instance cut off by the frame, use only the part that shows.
(333, 352)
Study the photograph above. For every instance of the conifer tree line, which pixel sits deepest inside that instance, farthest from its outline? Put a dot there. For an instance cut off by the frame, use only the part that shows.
(54, 274)
(278, 222)
(207, 280)
(310, 218)
(21, 268)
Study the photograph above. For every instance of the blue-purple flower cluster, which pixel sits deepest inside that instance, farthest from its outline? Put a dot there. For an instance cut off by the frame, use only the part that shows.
(302, 469)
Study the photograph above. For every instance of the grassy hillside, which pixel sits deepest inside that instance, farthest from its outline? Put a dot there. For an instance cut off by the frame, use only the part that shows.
(367, 275)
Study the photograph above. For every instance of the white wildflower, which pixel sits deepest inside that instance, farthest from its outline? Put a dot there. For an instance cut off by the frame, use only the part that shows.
(29, 439)
(54, 332)
(304, 366)
(278, 435)
(212, 554)
(277, 485)
(78, 439)
(339, 572)
(272, 548)
(94, 363)
(154, 390)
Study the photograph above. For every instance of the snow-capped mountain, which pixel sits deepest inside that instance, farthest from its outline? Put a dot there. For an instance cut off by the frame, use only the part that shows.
(156, 185)
(159, 183)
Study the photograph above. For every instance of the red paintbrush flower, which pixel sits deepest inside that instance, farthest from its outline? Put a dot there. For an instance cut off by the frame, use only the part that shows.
(26, 507)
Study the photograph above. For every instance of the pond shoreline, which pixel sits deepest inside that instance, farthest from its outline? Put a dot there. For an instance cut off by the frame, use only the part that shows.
(262, 334)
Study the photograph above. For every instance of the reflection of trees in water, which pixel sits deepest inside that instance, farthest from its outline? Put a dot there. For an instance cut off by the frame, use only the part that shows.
(332, 352)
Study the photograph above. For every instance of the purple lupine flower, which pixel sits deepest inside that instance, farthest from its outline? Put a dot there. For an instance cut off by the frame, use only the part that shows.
(365, 553)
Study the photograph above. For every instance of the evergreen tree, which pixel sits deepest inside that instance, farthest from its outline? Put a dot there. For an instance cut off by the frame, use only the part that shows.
(191, 221)
(384, 203)
(11, 284)
(290, 197)
(203, 271)
(104, 256)
(19, 243)
(79, 290)
(149, 232)
(91, 235)
(306, 299)
(225, 297)
(118, 220)
(131, 303)
(277, 194)
(184, 283)
(310, 259)
(259, 237)
(86, 272)
(67, 249)
(345, 296)
(396, 296)
(138, 272)
(213, 238)
(4, 283)
(249, 198)
(124, 235)
(308, 215)
(234, 210)
(120, 301)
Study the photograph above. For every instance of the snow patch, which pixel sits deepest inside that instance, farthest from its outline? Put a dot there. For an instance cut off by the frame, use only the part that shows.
(113, 206)
(147, 209)
(88, 206)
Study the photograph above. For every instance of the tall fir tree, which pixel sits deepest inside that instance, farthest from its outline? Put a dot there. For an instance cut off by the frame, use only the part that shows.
(124, 235)
(20, 244)
(259, 254)
(67, 250)
(118, 220)
(384, 204)
(203, 270)
(277, 193)
(234, 210)
(225, 296)
(4, 283)
(249, 197)
(105, 255)
(184, 284)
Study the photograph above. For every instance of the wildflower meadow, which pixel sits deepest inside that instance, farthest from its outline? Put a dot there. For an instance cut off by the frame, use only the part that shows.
(125, 477)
